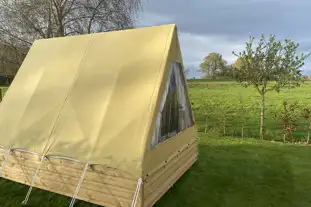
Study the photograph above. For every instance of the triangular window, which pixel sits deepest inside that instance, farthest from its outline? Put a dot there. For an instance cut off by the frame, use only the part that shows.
(175, 110)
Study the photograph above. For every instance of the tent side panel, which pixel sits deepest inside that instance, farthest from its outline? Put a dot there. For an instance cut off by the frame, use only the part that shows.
(158, 155)
(101, 185)
(158, 182)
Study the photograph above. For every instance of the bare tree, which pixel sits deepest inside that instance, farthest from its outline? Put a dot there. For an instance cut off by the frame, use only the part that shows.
(22, 22)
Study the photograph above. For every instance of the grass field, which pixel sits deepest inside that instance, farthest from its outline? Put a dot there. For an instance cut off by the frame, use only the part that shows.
(244, 173)
(230, 172)
(215, 100)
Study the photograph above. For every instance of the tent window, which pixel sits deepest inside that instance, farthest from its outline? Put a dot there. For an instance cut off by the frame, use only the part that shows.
(175, 114)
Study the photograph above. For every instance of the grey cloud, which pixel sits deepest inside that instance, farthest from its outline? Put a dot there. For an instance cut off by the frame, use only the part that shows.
(224, 25)
(236, 18)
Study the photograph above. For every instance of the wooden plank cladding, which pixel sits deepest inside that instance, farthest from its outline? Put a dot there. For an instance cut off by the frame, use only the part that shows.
(161, 180)
(101, 185)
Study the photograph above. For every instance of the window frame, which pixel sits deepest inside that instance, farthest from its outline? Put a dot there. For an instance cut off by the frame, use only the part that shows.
(182, 107)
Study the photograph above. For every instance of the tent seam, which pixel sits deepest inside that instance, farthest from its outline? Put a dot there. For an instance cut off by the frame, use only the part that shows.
(47, 148)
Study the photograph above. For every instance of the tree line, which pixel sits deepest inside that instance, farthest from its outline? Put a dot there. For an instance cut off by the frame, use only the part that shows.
(215, 67)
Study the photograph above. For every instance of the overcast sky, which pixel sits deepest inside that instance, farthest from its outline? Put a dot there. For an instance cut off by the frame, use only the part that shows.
(224, 26)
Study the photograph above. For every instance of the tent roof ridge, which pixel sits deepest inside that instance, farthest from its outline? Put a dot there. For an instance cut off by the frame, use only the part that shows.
(110, 32)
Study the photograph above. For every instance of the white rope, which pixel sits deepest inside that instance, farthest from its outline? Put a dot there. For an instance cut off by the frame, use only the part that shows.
(6, 157)
(33, 181)
(136, 195)
(79, 186)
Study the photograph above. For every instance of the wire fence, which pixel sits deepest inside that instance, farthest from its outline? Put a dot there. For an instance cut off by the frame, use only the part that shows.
(240, 126)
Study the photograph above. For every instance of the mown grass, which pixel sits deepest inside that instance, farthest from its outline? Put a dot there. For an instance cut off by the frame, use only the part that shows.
(12, 194)
(229, 172)
(244, 172)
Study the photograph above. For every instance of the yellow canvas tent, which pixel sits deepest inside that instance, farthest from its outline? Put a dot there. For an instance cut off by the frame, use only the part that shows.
(103, 117)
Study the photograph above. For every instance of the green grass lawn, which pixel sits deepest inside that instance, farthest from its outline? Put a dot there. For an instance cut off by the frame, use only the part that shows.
(245, 172)
(229, 172)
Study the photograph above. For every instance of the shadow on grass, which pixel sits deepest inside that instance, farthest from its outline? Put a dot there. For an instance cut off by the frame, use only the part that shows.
(244, 175)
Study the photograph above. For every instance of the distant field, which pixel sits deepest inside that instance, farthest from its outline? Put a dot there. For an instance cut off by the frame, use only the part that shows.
(216, 101)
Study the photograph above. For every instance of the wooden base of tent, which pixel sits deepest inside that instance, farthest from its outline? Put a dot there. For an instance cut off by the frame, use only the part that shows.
(103, 186)
(165, 176)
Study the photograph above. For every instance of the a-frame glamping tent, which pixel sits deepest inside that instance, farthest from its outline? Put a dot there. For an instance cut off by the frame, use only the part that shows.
(103, 118)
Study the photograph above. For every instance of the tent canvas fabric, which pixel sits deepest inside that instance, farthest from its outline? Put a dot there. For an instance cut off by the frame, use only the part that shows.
(117, 99)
